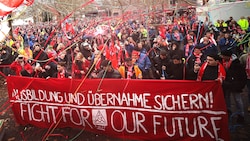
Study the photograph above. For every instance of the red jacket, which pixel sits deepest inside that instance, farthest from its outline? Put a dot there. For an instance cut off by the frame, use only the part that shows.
(16, 66)
(77, 71)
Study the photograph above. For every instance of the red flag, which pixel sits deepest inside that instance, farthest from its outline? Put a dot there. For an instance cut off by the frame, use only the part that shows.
(162, 31)
(70, 28)
(6, 6)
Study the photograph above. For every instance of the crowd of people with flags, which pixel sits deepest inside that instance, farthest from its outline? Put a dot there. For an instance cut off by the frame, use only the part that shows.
(157, 47)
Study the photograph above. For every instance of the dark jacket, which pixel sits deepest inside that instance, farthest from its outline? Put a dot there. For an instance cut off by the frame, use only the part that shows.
(50, 71)
(6, 58)
(157, 65)
(175, 71)
(112, 74)
(189, 68)
(235, 77)
(40, 56)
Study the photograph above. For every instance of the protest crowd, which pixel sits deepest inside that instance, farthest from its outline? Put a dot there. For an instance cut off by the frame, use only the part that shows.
(154, 47)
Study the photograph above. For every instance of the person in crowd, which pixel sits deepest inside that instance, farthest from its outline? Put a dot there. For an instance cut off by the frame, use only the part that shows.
(243, 23)
(193, 63)
(221, 25)
(86, 50)
(9, 50)
(246, 62)
(31, 40)
(210, 36)
(39, 55)
(212, 69)
(26, 51)
(208, 47)
(143, 32)
(177, 36)
(119, 59)
(107, 71)
(234, 82)
(129, 47)
(60, 47)
(21, 67)
(95, 64)
(62, 55)
(226, 43)
(52, 54)
(175, 50)
(159, 44)
(48, 70)
(175, 68)
(229, 20)
(224, 26)
(143, 62)
(80, 66)
(232, 26)
(191, 36)
(5, 60)
(112, 53)
(243, 45)
(152, 33)
(168, 36)
(129, 70)
(188, 48)
(61, 71)
(217, 24)
(123, 54)
(76, 50)
(160, 64)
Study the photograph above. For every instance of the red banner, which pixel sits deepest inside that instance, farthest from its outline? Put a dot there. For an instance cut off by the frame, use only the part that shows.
(131, 109)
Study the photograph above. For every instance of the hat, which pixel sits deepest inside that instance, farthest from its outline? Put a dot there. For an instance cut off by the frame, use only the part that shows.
(106, 63)
(227, 53)
(214, 56)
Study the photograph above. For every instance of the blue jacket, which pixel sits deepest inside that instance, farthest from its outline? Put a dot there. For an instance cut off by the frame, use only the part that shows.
(226, 46)
(143, 62)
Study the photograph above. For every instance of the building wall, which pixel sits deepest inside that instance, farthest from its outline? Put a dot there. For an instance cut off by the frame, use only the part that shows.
(223, 11)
